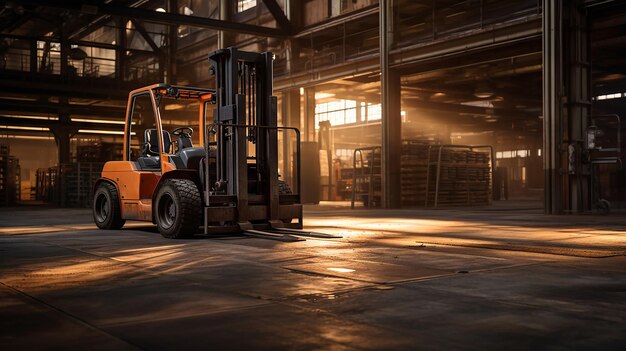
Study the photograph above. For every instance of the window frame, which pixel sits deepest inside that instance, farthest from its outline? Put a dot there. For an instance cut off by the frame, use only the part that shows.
(129, 124)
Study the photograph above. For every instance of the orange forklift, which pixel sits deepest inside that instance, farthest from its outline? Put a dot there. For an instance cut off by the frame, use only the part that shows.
(223, 178)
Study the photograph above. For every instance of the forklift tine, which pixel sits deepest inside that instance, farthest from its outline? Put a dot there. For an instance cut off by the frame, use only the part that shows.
(271, 236)
(306, 233)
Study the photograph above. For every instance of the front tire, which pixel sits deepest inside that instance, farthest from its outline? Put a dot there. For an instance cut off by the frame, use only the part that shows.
(106, 207)
(178, 209)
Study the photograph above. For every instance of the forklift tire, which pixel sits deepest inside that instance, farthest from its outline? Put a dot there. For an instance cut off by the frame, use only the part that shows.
(178, 209)
(106, 207)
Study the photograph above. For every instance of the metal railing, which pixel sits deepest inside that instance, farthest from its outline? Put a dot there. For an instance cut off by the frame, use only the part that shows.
(358, 180)
(251, 133)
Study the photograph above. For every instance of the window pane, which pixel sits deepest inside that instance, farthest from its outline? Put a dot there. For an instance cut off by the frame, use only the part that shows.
(243, 5)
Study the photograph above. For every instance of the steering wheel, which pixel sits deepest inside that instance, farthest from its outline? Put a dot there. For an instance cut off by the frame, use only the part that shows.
(183, 130)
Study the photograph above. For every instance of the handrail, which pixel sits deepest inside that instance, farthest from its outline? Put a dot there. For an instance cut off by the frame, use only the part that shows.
(267, 129)
(362, 169)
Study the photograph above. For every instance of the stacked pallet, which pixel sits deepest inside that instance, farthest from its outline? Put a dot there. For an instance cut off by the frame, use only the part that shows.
(4, 175)
(10, 177)
(464, 179)
(414, 171)
(432, 175)
(95, 150)
(45, 184)
(15, 180)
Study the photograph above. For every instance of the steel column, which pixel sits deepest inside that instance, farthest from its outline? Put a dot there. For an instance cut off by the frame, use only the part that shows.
(566, 106)
(308, 122)
(225, 38)
(390, 106)
(552, 92)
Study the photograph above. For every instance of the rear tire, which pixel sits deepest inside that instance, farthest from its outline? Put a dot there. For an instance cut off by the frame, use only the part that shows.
(106, 208)
(178, 209)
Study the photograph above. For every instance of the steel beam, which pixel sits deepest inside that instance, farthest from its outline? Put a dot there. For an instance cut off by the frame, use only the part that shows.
(489, 41)
(279, 15)
(162, 17)
(146, 36)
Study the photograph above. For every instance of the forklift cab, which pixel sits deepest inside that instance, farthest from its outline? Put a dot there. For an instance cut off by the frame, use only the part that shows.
(161, 135)
(163, 127)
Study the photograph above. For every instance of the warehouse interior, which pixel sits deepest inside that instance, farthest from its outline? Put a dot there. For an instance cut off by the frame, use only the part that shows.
(436, 139)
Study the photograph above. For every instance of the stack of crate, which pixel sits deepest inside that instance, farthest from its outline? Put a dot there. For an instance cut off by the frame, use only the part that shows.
(464, 178)
(432, 175)
(46, 180)
(4, 175)
(10, 177)
(95, 150)
(15, 180)
(414, 166)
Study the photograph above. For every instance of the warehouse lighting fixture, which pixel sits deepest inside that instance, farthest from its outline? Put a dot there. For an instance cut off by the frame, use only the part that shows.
(29, 137)
(108, 132)
(32, 117)
(483, 91)
(160, 9)
(323, 95)
(479, 103)
(341, 270)
(438, 96)
(97, 121)
(39, 129)
(609, 96)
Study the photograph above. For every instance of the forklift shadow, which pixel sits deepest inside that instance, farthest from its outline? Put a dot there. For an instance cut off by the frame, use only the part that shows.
(150, 228)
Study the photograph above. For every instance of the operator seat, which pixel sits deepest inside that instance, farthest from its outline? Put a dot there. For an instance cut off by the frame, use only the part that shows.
(149, 160)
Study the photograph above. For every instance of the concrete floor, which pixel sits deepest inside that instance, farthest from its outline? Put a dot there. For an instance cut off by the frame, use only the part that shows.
(500, 278)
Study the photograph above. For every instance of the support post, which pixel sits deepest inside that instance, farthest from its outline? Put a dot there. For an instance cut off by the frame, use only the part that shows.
(566, 106)
(291, 118)
(120, 52)
(172, 42)
(225, 38)
(308, 122)
(391, 109)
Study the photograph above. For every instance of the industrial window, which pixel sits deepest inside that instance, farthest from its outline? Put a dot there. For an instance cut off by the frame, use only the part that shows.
(512, 154)
(374, 112)
(243, 5)
(337, 112)
(344, 154)
(344, 112)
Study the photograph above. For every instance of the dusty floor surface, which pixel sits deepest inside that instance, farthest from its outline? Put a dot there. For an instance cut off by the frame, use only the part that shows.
(506, 279)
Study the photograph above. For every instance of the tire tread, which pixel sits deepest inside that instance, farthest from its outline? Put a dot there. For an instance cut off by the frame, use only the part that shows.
(189, 209)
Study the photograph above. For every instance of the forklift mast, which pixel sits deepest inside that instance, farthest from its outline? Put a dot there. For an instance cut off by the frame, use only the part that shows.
(245, 129)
